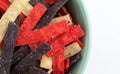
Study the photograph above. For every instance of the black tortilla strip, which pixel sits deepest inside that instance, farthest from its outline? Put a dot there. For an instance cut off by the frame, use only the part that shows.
(17, 21)
(36, 63)
(9, 45)
(14, 72)
(35, 70)
(26, 62)
(33, 2)
(2, 69)
(20, 54)
(50, 13)
(75, 58)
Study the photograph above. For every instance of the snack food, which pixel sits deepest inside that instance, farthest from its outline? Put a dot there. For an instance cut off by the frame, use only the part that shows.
(17, 6)
(8, 46)
(47, 41)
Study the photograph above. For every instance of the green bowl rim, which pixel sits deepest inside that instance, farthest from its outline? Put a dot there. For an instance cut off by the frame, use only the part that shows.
(88, 37)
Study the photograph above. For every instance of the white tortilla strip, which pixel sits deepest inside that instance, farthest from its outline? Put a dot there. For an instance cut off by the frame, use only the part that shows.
(10, 15)
(65, 17)
(71, 50)
(27, 9)
(46, 62)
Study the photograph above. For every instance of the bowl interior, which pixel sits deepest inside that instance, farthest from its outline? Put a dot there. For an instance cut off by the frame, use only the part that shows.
(78, 13)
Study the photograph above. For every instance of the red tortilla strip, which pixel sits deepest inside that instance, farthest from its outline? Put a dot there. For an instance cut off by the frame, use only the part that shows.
(58, 43)
(58, 59)
(62, 40)
(74, 33)
(34, 16)
(67, 63)
(3, 5)
(80, 43)
(58, 62)
(64, 10)
(43, 34)
(7, 1)
(22, 18)
(59, 14)
(1, 45)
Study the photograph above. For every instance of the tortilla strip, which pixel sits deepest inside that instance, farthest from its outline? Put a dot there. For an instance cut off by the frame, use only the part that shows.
(50, 13)
(27, 9)
(65, 17)
(71, 50)
(35, 70)
(10, 15)
(28, 60)
(9, 45)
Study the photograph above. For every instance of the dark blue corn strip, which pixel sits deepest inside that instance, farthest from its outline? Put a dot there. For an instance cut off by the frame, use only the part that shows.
(50, 13)
(75, 59)
(26, 62)
(9, 45)
(35, 70)
(17, 21)
(2, 69)
(33, 2)
(20, 54)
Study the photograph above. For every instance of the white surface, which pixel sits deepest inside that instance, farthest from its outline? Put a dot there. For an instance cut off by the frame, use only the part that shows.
(104, 18)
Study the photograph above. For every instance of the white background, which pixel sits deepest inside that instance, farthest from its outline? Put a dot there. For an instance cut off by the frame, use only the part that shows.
(104, 17)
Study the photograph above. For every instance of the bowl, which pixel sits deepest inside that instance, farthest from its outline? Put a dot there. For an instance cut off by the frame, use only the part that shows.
(78, 13)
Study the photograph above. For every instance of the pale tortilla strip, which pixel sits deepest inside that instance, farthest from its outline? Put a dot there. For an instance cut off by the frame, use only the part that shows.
(71, 50)
(50, 71)
(10, 15)
(27, 9)
(46, 62)
(65, 17)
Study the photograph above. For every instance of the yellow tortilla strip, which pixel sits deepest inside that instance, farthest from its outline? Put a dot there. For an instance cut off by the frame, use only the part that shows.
(10, 15)
(46, 62)
(27, 9)
(50, 71)
(66, 17)
(71, 50)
